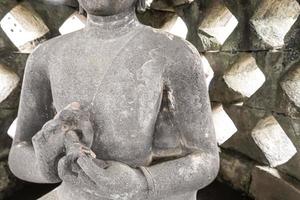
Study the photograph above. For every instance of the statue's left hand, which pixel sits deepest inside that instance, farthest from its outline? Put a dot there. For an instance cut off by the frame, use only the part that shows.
(116, 180)
(68, 168)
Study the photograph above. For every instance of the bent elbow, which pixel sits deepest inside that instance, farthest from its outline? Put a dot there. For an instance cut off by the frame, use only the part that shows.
(207, 169)
(22, 163)
(13, 163)
(215, 166)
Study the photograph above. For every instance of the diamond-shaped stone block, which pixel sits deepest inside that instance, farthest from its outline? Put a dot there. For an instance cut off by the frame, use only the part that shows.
(244, 76)
(23, 26)
(273, 141)
(8, 82)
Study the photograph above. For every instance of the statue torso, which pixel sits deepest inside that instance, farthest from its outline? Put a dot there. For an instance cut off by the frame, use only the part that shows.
(121, 81)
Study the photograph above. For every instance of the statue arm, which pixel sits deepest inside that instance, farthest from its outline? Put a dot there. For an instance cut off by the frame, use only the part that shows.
(34, 111)
(189, 110)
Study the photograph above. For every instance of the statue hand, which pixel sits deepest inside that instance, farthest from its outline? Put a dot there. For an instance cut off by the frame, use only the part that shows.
(67, 166)
(48, 145)
(49, 142)
(116, 180)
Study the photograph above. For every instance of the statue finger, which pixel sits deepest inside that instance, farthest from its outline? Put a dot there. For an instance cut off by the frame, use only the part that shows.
(86, 131)
(51, 126)
(70, 139)
(70, 113)
(92, 170)
(69, 163)
(64, 171)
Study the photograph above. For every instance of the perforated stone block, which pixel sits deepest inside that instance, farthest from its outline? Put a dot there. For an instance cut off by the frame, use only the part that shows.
(273, 19)
(224, 127)
(74, 23)
(245, 119)
(291, 84)
(23, 26)
(273, 141)
(244, 76)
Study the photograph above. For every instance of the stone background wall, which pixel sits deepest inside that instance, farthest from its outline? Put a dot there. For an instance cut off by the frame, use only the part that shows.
(251, 52)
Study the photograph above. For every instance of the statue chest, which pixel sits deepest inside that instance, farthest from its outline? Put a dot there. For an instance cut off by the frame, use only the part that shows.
(123, 95)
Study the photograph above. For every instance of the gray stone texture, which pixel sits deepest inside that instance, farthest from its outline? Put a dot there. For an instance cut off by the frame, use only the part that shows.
(267, 32)
(268, 183)
(236, 170)
(138, 124)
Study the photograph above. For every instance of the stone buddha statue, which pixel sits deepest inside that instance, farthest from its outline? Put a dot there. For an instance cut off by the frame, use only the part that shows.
(116, 111)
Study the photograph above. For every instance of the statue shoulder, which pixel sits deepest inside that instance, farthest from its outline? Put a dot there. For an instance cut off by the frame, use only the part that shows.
(179, 54)
(39, 59)
(174, 47)
(58, 42)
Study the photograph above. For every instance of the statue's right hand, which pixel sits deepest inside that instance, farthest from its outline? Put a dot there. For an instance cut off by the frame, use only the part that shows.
(49, 142)
(48, 146)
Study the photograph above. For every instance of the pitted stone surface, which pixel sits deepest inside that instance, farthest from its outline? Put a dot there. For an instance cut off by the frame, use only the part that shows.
(263, 26)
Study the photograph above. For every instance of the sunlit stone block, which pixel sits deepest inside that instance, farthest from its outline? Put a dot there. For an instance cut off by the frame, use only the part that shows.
(273, 141)
(8, 82)
(224, 126)
(74, 23)
(244, 76)
(23, 26)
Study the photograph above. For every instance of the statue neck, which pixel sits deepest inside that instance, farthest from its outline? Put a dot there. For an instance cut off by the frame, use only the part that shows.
(113, 25)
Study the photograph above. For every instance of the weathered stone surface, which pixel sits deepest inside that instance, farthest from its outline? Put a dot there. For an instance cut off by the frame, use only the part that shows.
(236, 170)
(50, 196)
(157, 19)
(72, 3)
(53, 22)
(291, 84)
(269, 96)
(24, 27)
(168, 5)
(219, 91)
(74, 23)
(292, 166)
(9, 106)
(269, 184)
(273, 141)
(205, 30)
(218, 21)
(291, 126)
(263, 25)
(237, 76)
(244, 37)
(224, 127)
(5, 44)
(273, 19)
(244, 76)
(8, 82)
(6, 6)
(134, 130)
(245, 119)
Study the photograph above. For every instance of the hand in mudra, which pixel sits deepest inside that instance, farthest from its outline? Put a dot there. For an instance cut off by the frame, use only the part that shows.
(49, 142)
(68, 168)
(114, 180)
(108, 179)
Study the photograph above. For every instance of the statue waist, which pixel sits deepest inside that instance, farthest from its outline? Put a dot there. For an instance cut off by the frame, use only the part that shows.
(69, 192)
